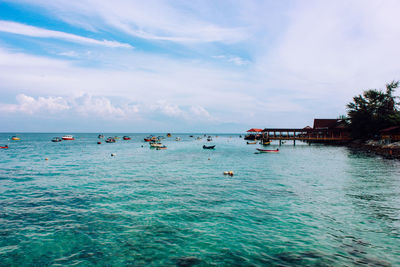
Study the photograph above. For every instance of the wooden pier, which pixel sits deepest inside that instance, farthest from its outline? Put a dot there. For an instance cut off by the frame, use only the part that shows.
(308, 135)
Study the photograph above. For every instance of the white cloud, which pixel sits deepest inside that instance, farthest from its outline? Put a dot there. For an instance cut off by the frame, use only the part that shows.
(233, 59)
(30, 105)
(153, 20)
(22, 29)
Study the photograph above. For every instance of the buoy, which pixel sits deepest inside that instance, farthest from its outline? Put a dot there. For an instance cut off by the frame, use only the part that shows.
(208, 158)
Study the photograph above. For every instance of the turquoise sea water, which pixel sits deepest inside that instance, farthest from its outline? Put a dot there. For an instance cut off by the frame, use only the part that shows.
(307, 205)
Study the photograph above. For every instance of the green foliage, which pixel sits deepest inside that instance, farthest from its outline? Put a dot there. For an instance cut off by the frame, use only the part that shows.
(373, 111)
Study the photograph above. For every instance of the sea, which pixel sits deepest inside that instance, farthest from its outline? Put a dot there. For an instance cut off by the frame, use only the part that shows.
(308, 205)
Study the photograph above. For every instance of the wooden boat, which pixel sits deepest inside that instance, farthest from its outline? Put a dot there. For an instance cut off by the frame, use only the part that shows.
(126, 138)
(268, 150)
(251, 143)
(15, 138)
(4, 146)
(110, 140)
(155, 144)
(161, 147)
(208, 147)
(68, 137)
(56, 139)
(265, 143)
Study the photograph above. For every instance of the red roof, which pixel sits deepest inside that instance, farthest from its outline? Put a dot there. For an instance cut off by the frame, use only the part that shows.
(254, 130)
(325, 123)
(394, 129)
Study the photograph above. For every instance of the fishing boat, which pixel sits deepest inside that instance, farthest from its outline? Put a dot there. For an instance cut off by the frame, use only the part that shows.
(251, 143)
(68, 137)
(268, 150)
(208, 147)
(110, 140)
(209, 139)
(15, 138)
(4, 146)
(126, 138)
(99, 143)
(161, 147)
(56, 139)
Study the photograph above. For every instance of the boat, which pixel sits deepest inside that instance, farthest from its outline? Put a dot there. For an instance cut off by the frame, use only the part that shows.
(147, 139)
(191, 136)
(4, 146)
(208, 147)
(110, 140)
(68, 137)
(56, 139)
(161, 147)
(251, 143)
(155, 144)
(178, 139)
(126, 138)
(209, 139)
(100, 136)
(15, 138)
(99, 143)
(265, 143)
(268, 150)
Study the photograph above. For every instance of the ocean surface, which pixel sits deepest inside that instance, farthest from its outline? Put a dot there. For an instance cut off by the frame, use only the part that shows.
(306, 205)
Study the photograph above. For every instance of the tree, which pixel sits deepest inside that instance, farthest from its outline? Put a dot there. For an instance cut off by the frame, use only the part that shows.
(373, 111)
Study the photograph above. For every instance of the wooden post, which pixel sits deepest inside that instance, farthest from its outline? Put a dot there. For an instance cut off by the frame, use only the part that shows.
(280, 142)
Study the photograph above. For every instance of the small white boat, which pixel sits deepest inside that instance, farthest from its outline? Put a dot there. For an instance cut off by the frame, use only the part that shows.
(68, 137)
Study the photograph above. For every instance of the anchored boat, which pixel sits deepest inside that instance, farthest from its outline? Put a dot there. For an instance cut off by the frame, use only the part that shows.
(68, 137)
(268, 150)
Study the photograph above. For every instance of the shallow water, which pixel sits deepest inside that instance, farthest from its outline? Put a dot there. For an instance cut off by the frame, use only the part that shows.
(307, 205)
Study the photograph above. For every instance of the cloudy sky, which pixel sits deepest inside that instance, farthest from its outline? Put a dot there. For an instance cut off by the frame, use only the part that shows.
(189, 66)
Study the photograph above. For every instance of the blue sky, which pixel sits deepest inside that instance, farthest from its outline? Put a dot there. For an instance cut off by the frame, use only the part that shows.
(189, 66)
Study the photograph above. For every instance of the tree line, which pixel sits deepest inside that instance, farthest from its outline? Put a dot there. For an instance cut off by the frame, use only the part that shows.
(373, 111)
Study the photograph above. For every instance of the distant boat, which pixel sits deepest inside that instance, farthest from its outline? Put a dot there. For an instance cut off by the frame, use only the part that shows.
(208, 147)
(178, 139)
(251, 143)
(268, 150)
(155, 144)
(68, 137)
(100, 136)
(15, 138)
(209, 139)
(110, 140)
(265, 143)
(4, 146)
(99, 143)
(56, 139)
(161, 147)
(126, 138)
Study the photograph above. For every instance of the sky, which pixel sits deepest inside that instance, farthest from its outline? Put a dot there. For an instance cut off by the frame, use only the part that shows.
(189, 66)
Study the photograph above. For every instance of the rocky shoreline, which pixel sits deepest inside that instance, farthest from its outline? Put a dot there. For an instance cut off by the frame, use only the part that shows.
(389, 151)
